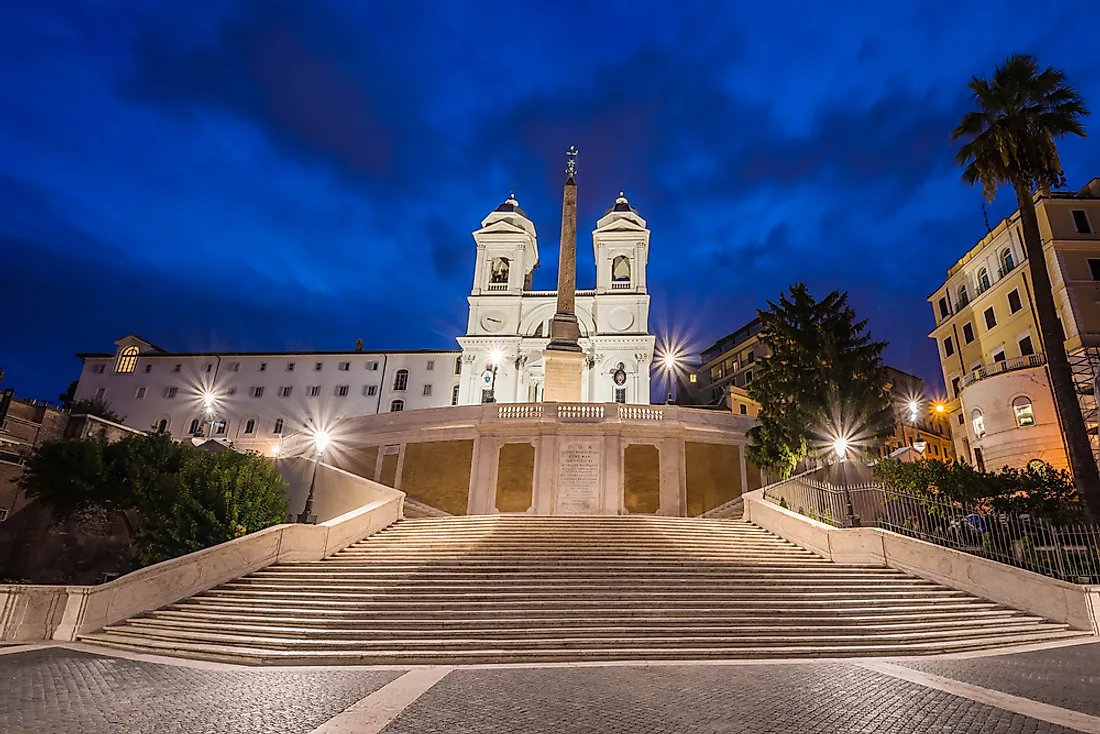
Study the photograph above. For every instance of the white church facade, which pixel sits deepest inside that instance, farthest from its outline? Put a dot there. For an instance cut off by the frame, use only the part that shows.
(509, 323)
(255, 399)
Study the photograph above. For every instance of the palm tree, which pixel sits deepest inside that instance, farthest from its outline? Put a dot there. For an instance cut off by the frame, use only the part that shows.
(1009, 140)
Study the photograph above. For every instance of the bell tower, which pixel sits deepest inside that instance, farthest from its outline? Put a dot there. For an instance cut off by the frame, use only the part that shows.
(620, 244)
(507, 251)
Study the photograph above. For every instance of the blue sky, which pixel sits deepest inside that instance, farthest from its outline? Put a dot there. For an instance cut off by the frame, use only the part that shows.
(296, 175)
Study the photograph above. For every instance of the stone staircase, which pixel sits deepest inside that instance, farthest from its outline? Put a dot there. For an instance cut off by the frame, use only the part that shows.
(525, 589)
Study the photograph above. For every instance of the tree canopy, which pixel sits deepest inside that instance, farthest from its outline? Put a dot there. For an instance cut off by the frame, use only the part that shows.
(823, 379)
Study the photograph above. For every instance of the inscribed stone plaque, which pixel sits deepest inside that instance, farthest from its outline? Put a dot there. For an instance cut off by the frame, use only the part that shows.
(579, 477)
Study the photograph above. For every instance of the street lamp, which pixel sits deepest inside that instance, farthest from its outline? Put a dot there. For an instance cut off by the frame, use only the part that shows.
(669, 361)
(496, 357)
(914, 414)
(840, 449)
(320, 442)
(208, 410)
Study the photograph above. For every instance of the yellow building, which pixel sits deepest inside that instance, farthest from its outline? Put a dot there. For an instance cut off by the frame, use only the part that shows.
(988, 338)
(921, 423)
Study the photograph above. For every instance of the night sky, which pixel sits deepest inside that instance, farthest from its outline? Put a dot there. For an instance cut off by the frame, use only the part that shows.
(295, 175)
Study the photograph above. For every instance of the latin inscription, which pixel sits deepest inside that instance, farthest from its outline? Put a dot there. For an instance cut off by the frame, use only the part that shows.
(579, 477)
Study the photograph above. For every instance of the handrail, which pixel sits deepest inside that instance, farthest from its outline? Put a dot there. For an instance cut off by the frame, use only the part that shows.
(999, 368)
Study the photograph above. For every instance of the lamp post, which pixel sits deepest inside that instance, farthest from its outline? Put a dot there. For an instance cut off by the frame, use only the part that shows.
(320, 442)
(840, 448)
(914, 414)
(496, 356)
(208, 410)
(669, 361)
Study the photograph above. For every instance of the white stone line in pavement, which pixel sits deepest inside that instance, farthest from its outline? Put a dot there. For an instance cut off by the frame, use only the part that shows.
(1015, 649)
(12, 649)
(373, 713)
(1024, 706)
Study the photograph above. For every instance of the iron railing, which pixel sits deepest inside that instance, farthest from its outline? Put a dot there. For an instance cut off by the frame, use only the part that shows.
(1005, 365)
(1068, 552)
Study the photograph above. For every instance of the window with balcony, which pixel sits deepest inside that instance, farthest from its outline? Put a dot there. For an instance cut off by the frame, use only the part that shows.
(978, 421)
(1025, 346)
(990, 318)
(498, 274)
(948, 347)
(1025, 415)
(1081, 221)
(1007, 263)
(999, 356)
(964, 297)
(968, 332)
(401, 380)
(1014, 303)
(983, 280)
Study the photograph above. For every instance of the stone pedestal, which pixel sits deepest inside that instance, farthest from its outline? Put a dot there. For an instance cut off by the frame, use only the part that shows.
(563, 374)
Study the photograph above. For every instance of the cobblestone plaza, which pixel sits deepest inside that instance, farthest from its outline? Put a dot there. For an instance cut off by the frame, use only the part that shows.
(79, 689)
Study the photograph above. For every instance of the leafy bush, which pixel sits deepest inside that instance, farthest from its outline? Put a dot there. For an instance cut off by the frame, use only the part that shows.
(174, 497)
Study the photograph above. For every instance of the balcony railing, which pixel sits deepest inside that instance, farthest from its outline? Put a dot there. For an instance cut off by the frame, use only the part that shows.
(623, 285)
(498, 287)
(999, 368)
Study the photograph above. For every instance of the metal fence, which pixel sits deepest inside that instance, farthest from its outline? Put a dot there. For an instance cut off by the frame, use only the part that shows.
(1067, 552)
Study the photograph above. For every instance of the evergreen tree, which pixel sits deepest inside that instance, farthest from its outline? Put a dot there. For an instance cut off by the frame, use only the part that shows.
(823, 379)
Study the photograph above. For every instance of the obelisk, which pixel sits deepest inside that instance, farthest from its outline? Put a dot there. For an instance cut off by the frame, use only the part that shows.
(563, 359)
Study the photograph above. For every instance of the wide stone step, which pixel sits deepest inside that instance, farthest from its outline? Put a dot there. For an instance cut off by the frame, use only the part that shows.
(559, 573)
(261, 655)
(610, 565)
(589, 588)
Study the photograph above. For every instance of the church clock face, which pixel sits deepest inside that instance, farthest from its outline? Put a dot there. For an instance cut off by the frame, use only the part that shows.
(492, 321)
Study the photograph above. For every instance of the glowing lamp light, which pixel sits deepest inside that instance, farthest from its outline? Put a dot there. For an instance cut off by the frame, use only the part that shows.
(276, 449)
(321, 440)
(669, 361)
(840, 447)
(914, 406)
(208, 401)
(496, 356)
(940, 407)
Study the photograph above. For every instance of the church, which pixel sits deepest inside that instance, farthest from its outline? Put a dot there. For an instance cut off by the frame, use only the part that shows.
(509, 323)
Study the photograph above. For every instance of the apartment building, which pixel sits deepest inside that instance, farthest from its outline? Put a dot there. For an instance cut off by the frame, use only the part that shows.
(988, 338)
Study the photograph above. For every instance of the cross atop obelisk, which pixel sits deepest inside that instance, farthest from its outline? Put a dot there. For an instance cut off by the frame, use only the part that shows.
(563, 358)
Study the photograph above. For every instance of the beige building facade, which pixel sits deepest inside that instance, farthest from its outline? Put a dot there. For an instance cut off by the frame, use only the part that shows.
(987, 334)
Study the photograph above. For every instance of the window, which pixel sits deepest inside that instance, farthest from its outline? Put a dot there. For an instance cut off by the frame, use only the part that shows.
(968, 332)
(208, 367)
(148, 368)
(344, 366)
(401, 380)
(979, 423)
(100, 392)
(99, 369)
(278, 429)
(1094, 268)
(1081, 221)
(1036, 465)
(397, 406)
(314, 390)
(999, 355)
(127, 359)
(231, 390)
(139, 394)
(177, 368)
(318, 366)
(370, 390)
(1014, 303)
(427, 390)
(3, 515)
(458, 365)
(256, 392)
(289, 366)
(250, 425)
(162, 425)
(220, 428)
(1006, 260)
(1025, 416)
(964, 297)
(750, 357)
(372, 366)
(748, 377)
(431, 365)
(979, 459)
(498, 272)
(743, 408)
(990, 318)
(170, 392)
(620, 395)
(948, 347)
(962, 419)
(983, 280)
(955, 386)
(1025, 346)
(341, 391)
(454, 395)
(194, 427)
(263, 366)
(945, 310)
(284, 392)
(234, 366)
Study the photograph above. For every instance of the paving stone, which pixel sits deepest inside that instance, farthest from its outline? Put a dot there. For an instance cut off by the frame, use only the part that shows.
(59, 691)
(761, 699)
(1066, 676)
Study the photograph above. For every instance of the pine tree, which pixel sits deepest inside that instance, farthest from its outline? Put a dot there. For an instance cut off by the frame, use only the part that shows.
(822, 380)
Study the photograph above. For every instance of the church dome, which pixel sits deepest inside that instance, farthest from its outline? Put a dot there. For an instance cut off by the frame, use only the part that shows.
(511, 205)
(621, 205)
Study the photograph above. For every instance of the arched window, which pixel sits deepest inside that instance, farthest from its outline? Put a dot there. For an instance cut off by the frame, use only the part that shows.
(964, 297)
(397, 406)
(454, 395)
(983, 279)
(278, 429)
(250, 425)
(1006, 260)
(498, 270)
(127, 359)
(620, 269)
(979, 423)
(194, 427)
(1025, 415)
(162, 425)
(1036, 465)
(401, 380)
(458, 365)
